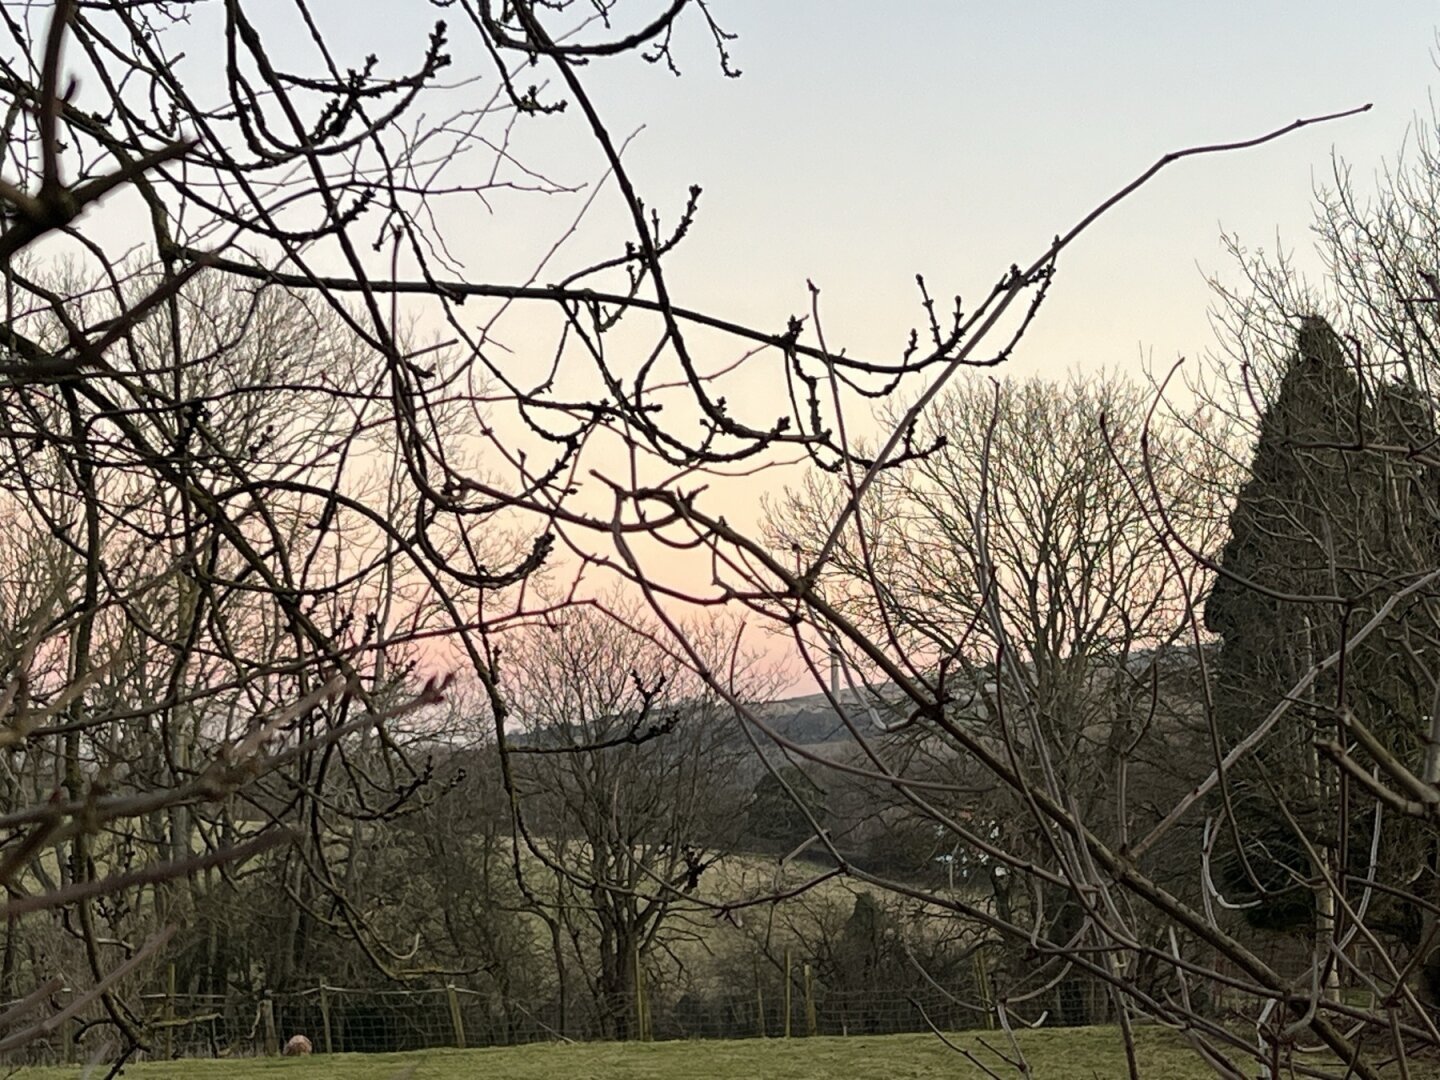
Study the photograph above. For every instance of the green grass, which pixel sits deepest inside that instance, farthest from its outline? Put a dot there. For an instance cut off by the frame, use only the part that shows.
(1064, 1054)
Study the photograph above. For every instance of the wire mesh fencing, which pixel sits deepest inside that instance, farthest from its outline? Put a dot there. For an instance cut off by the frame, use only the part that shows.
(368, 1020)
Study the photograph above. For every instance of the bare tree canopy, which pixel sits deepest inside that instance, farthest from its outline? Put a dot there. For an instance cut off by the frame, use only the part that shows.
(276, 446)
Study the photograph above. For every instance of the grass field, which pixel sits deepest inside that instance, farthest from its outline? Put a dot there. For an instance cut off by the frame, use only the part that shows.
(1062, 1054)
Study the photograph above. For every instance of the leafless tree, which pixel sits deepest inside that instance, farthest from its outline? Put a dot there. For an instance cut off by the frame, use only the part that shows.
(627, 778)
(407, 495)
(1021, 556)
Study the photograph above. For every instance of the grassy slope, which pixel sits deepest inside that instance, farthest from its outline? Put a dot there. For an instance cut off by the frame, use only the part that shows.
(1076, 1054)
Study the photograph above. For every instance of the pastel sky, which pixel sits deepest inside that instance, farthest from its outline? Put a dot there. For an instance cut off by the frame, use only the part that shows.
(868, 142)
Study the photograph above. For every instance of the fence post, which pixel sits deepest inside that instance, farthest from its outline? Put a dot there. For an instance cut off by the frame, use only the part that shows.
(456, 1021)
(67, 1033)
(267, 1013)
(642, 1001)
(638, 1031)
(811, 1024)
(982, 981)
(787, 991)
(759, 999)
(325, 1017)
(170, 1012)
(649, 1014)
(647, 1029)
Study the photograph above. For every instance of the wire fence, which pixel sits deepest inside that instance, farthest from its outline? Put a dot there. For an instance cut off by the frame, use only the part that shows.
(362, 1020)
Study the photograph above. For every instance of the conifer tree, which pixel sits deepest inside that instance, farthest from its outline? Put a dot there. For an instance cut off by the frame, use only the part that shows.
(1336, 516)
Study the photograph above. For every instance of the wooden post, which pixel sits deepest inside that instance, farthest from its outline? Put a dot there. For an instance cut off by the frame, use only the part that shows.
(67, 1033)
(982, 980)
(812, 1025)
(325, 1018)
(170, 1012)
(643, 1030)
(642, 1001)
(638, 1027)
(267, 1013)
(759, 999)
(456, 1021)
(787, 992)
